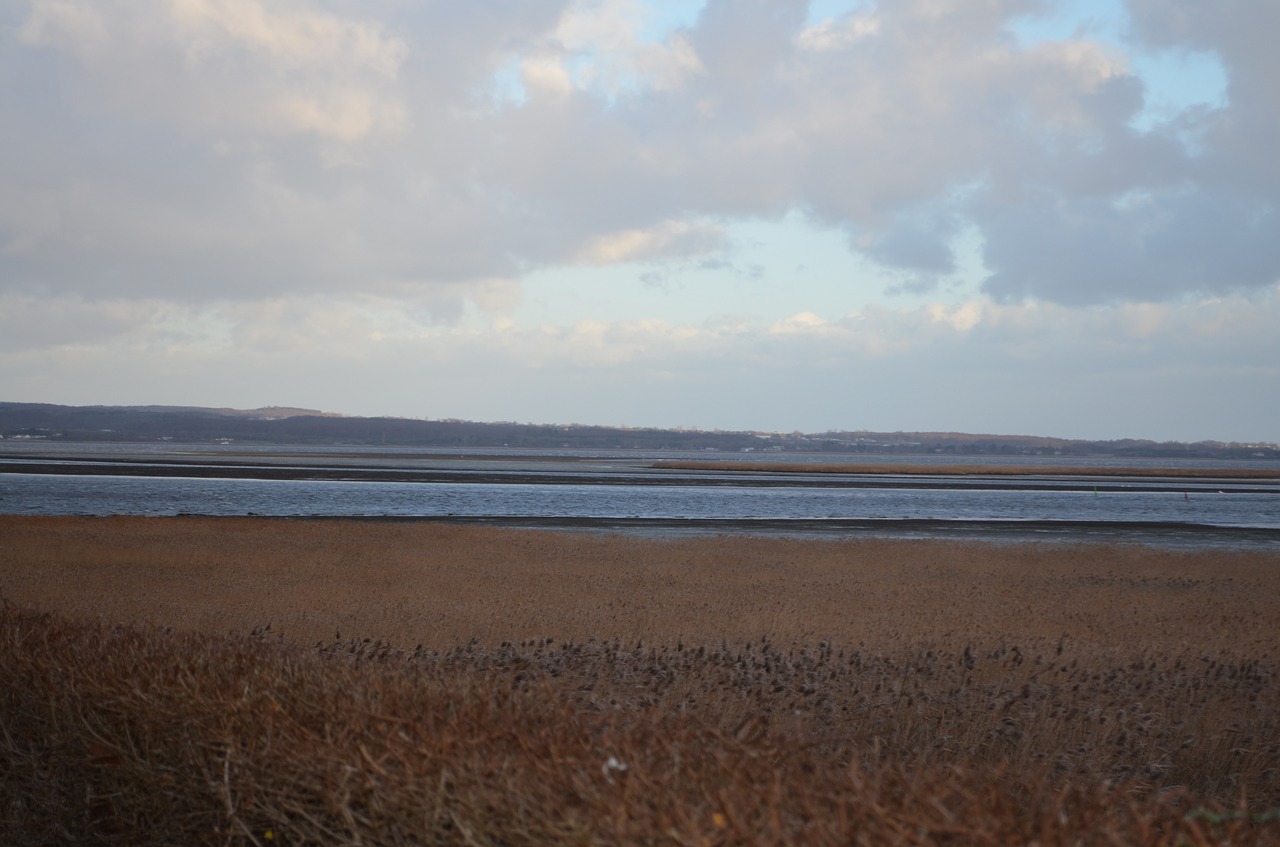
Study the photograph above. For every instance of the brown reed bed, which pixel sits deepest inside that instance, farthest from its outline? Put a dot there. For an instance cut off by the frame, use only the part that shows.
(442, 585)
(971, 470)
(141, 735)
(524, 687)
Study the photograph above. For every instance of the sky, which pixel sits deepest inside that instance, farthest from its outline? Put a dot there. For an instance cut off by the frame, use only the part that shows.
(1042, 217)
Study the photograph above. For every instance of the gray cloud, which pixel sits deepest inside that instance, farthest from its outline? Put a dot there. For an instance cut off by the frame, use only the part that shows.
(1190, 206)
(199, 152)
(195, 153)
(1090, 250)
(741, 42)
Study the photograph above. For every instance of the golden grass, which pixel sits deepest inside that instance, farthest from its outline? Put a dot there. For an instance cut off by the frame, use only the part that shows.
(520, 687)
(971, 470)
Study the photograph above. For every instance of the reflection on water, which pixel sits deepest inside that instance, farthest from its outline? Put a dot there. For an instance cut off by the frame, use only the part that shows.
(102, 495)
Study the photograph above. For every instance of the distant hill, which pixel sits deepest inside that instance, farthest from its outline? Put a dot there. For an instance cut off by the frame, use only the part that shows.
(282, 425)
(265, 413)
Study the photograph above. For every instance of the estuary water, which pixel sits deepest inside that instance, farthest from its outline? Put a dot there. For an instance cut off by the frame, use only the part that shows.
(624, 492)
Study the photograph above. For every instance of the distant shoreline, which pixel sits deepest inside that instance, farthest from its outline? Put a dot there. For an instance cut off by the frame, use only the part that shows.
(493, 472)
(1166, 534)
(973, 470)
(299, 427)
(1169, 535)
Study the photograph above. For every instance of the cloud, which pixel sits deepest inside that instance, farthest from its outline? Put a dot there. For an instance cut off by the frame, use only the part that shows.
(233, 148)
(801, 322)
(38, 323)
(833, 34)
(669, 239)
(598, 46)
(1150, 215)
(1098, 249)
(234, 66)
(203, 151)
(961, 317)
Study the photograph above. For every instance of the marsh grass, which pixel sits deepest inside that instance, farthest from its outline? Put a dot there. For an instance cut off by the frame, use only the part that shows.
(491, 687)
(439, 585)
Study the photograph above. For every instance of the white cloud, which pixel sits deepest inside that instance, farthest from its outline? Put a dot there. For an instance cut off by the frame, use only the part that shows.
(962, 317)
(669, 239)
(546, 75)
(235, 66)
(293, 39)
(801, 322)
(669, 64)
(597, 46)
(833, 34)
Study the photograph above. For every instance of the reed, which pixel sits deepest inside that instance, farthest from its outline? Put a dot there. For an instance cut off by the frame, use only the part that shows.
(442, 585)
(521, 687)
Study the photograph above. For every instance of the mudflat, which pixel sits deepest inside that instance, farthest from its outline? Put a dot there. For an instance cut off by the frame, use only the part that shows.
(442, 585)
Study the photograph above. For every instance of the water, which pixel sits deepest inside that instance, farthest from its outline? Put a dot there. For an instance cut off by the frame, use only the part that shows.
(564, 486)
(105, 495)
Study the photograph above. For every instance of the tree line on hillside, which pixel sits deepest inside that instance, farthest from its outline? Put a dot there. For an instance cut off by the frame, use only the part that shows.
(42, 421)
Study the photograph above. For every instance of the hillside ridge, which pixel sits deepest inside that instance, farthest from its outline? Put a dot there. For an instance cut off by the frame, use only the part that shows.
(291, 425)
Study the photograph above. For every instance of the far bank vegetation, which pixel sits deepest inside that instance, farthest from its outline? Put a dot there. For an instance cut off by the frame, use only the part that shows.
(893, 469)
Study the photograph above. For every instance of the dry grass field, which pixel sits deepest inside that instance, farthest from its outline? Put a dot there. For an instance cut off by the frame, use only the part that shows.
(254, 681)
